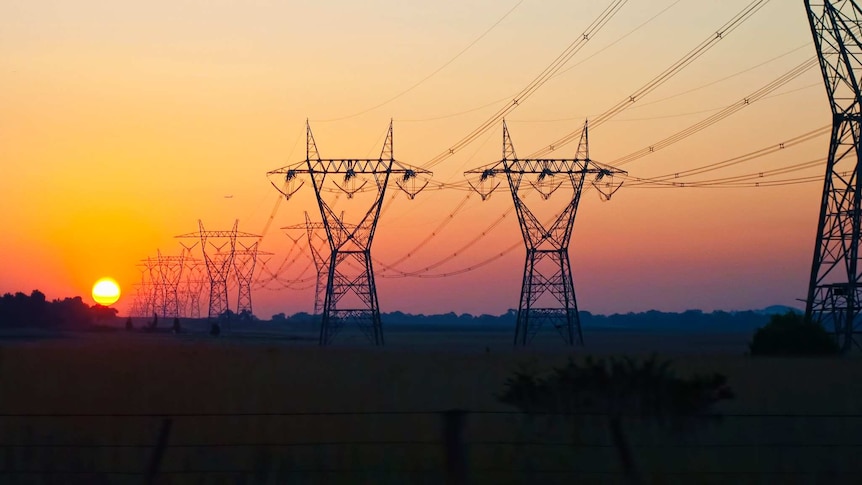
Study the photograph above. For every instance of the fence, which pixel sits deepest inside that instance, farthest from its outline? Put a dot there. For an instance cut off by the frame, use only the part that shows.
(451, 446)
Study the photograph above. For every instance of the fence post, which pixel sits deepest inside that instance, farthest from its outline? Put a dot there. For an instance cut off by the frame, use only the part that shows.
(158, 452)
(456, 451)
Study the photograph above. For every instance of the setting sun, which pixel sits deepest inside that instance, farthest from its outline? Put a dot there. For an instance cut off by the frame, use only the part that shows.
(106, 291)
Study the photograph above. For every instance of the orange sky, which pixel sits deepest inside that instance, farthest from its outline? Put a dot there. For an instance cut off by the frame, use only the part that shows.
(121, 126)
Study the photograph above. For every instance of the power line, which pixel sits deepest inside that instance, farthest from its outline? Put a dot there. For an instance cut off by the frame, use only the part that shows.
(433, 73)
(724, 113)
(504, 98)
(762, 152)
(734, 23)
(558, 63)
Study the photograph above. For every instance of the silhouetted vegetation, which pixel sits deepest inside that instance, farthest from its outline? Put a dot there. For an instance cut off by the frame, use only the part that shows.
(616, 389)
(34, 311)
(688, 321)
(792, 334)
(246, 316)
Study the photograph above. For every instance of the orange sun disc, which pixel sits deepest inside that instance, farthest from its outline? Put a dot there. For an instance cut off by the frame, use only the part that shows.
(106, 291)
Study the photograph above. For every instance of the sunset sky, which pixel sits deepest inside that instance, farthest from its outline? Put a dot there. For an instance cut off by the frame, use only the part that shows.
(123, 123)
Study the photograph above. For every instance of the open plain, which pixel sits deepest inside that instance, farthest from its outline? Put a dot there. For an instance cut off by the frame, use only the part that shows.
(262, 406)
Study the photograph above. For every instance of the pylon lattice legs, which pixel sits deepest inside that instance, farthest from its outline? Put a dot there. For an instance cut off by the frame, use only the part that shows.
(244, 263)
(218, 301)
(548, 272)
(350, 276)
(834, 289)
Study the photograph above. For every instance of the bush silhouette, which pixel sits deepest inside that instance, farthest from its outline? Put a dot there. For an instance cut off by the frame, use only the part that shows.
(792, 334)
(615, 389)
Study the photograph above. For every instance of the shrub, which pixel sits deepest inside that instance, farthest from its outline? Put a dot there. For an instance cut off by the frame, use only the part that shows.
(792, 334)
(617, 388)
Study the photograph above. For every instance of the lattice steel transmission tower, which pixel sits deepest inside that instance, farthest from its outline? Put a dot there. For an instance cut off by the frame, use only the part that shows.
(547, 290)
(319, 256)
(351, 294)
(834, 290)
(244, 262)
(151, 280)
(170, 271)
(140, 303)
(145, 292)
(194, 285)
(218, 249)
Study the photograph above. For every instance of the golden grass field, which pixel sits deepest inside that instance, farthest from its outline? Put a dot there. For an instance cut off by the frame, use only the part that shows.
(150, 375)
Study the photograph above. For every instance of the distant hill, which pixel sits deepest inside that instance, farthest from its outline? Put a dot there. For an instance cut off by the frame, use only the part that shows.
(778, 310)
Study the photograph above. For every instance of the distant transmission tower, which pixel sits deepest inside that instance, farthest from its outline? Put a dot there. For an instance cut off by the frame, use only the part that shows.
(834, 287)
(218, 249)
(151, 280)
(244, 261)
(547, 291)
(351, 294)
(194, 285)
(170, 270)
(139, 303)
(319, 257)
(148, 290)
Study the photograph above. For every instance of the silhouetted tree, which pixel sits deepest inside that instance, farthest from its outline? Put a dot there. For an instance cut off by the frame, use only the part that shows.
(20, 310)
(103, 313)
(70, 313)
(792, 334)
(616, 388)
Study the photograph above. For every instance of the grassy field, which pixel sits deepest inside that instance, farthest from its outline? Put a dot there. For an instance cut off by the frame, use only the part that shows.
(370, 415)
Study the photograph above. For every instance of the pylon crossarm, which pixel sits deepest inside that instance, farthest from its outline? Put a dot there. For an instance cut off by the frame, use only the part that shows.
(350, 166)
(217, 234)
(307, 226)
(411, 180)
(484, 180)
(411, 185)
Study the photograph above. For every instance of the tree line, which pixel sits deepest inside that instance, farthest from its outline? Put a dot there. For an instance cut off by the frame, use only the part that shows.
(690, 320)
(35, 311)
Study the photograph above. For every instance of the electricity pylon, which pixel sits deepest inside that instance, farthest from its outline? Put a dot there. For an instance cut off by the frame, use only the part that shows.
(318, 256)
(834, 290)
(170, 271)
(244, 261)
(155, 302)
(218, 249)
(351, 294)
(140, 302)
(321, 263)
(194, 285)
(547, 290)
(144, 293)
